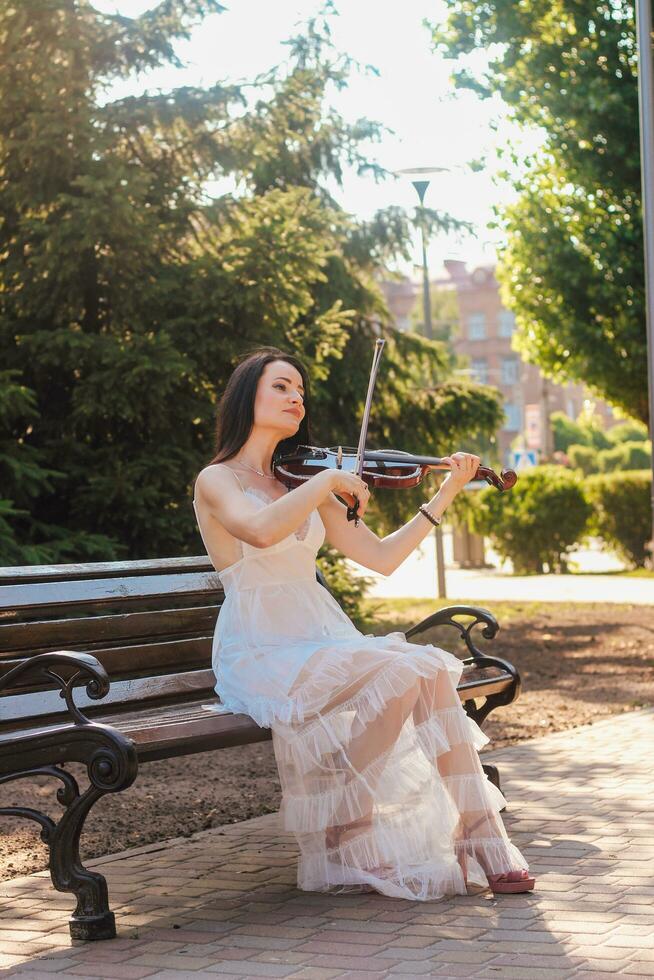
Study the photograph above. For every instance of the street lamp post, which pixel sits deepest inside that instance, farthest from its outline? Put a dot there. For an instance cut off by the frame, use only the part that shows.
(421, 187)
(646, 105)
(421, 184)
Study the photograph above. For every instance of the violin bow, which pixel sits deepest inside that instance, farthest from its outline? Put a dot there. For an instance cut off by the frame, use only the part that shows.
(352, 514)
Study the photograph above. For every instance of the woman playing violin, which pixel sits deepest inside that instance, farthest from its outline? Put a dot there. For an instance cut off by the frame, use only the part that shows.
(378, 761)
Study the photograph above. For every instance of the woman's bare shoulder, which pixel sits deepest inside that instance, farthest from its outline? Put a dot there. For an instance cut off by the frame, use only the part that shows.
(216, 478)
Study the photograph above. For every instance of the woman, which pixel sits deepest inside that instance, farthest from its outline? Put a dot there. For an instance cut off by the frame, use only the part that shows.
(381, 780)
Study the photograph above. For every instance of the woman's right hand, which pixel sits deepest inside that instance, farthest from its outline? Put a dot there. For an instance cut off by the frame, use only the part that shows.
(348, 486)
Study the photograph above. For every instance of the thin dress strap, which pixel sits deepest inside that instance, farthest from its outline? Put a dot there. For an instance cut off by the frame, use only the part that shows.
(237, 478)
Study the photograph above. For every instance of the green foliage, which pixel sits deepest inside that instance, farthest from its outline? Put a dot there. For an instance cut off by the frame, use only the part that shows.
(127, 292)
(566, 432)
(622, 514)
(538, 521)
(348, 589)
(584, 458)
(630, 431)
(573, 267)
(592, 424)
(625, 456)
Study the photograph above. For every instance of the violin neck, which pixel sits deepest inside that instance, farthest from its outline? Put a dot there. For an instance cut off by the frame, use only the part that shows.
(384, 455)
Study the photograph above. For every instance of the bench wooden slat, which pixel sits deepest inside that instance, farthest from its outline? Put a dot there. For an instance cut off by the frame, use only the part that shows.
(91, 633)
(105, 592)
(46, 706)
(23, 574)
(139, 660)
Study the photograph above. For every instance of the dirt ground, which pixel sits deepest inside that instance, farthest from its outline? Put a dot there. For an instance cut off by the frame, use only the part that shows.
(578, 663)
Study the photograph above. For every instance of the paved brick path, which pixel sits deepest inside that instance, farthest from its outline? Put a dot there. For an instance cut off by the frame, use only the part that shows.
(224, 902)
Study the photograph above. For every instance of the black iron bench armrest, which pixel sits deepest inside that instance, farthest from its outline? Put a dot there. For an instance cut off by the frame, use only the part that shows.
(84, 665)
(446, 617)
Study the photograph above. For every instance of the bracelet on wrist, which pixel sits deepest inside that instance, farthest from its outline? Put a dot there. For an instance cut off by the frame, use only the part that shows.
(427, 513)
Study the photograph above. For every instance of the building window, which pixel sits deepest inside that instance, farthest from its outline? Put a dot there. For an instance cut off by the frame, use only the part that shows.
(477, 326)
(510, 370)
(506, 323)
(480, 370)
(512, 423)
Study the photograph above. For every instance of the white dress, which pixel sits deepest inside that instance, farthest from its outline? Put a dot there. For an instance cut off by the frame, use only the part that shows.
(367, 730)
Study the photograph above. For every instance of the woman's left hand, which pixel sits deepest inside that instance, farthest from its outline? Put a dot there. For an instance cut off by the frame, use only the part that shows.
(463, 467)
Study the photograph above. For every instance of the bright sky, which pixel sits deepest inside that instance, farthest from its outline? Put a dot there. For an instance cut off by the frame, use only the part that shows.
(433, 124)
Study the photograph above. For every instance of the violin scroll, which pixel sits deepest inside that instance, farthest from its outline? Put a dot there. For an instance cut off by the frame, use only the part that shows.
(505, 481)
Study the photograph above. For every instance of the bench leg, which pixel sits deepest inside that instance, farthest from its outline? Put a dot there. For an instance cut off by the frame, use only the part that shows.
(92, 918)
(112, 765)
(493, 774)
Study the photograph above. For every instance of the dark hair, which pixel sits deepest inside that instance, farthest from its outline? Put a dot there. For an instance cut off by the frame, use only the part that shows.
(235, 413)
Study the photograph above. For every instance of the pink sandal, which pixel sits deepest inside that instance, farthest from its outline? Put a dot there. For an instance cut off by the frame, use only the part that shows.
(511, 882)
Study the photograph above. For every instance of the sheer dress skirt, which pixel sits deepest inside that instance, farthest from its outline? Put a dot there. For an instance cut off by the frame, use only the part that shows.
(383, 786)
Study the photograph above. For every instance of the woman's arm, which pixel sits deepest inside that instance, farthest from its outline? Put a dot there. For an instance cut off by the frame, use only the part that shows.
(263, 527)
(384, 555)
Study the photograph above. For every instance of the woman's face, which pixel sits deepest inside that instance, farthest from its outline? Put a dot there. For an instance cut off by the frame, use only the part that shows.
(280, 398)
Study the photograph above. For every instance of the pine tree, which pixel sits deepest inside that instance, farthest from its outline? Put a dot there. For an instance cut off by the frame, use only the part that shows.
(127, 292)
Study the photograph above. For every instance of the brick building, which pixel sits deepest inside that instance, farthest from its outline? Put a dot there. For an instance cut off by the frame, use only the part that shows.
(483, 336)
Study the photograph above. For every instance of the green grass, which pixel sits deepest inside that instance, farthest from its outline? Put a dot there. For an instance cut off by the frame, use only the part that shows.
(396, 613)
(633, 573)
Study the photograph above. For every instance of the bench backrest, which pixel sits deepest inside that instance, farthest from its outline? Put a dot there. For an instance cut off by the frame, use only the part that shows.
(150, 623)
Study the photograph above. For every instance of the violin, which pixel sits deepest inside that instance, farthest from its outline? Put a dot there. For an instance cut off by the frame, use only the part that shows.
(386, 469)
(391, 469)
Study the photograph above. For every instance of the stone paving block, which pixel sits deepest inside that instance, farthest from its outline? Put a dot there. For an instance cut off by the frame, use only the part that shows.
(414, 970)
(280, 957)
(370, 938)
(252, 969)
(606, 966)
(603, 975)
(362, 975)
(344, 949)
(316, 973)
(114, 971)
(45, 967)
(186, 975)
(402, 954)
(526, 972)
(404, 941)
(259, 942)
(164, 961)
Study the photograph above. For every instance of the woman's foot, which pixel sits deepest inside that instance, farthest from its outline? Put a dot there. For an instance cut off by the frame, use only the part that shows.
(344, 833)
(507, 883)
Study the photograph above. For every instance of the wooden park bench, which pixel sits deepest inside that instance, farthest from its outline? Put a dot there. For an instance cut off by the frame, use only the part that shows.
(108, 664)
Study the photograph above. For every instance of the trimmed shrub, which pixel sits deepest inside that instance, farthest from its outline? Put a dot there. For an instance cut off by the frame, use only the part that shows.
(625, 456)
(583, 458)
(536, 523)
(630, 431)
(567, 433)
(622, 514)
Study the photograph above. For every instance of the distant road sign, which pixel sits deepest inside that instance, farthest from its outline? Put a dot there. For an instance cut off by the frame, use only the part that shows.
(523, 459)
